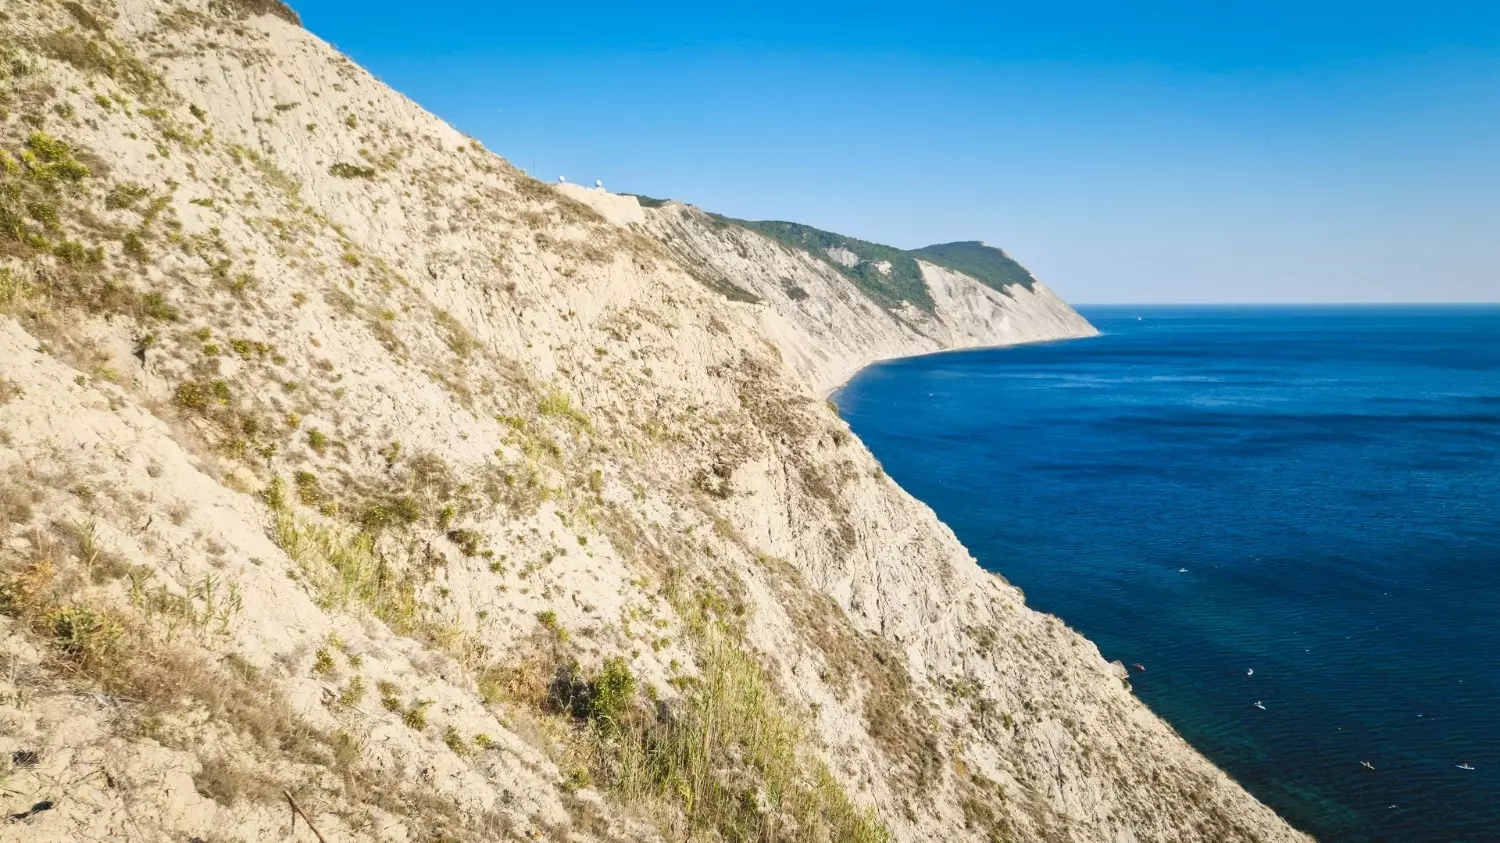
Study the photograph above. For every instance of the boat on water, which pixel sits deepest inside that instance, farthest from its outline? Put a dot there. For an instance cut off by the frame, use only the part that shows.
(1259, 705)
(1464, 766)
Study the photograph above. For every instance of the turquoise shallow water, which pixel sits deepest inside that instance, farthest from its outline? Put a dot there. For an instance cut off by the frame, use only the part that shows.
(1329, 479)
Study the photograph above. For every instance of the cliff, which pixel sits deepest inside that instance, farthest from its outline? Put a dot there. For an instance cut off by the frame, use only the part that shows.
(343, 465)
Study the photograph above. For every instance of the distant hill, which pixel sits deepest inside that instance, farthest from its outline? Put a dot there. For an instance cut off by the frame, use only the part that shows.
(886, 274)
(890, 275)
(986, 264)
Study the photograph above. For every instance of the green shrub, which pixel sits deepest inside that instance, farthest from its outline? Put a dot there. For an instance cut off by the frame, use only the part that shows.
(557, 404)
(308, 490)
(610, 692)
(82, 633)
(50, 160)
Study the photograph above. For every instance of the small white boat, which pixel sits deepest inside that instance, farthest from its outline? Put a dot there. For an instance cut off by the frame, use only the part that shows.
(1367, 765)
(1182, 570)
(1250, 672)
(1464, 766)
(1259, 705)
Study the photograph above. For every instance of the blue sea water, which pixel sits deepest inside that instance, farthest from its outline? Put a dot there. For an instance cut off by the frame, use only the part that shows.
(1330, 480)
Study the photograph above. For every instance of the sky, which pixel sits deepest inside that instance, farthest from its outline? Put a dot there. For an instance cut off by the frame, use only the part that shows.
(1126, 152)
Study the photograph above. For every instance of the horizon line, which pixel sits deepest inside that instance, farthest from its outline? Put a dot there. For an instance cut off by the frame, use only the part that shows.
(1495, 303)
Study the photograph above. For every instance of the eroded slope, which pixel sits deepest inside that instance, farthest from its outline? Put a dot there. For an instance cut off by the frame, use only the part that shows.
(342, 463)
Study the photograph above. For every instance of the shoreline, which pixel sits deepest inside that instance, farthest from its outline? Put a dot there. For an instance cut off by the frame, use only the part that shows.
(829, 394)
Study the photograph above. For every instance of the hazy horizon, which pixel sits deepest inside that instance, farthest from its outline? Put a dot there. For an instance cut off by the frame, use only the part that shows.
(1166, 153)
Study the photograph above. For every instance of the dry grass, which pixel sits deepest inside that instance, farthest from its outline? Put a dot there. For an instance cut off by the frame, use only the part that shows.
(125, 653)
(9, 391)
(165, 682)
(727, 761)
(17, 503)
(731, 760)
(343, 569)
(253, 8)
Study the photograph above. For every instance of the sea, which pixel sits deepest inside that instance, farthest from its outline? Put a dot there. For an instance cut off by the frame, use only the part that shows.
(1291, 506)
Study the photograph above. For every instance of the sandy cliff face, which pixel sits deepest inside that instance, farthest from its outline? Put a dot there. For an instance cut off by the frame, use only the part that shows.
(343, 464)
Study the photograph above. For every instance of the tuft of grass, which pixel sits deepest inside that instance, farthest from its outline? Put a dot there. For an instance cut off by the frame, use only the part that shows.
(318, 441)
(548, 619)
(353, 693)
(343, 569)
(727, 761)
(558, 405)
(323, 664)
(416, 716)
(401, 511)
(455, 741)
(9, 391)
(345, 170)
(255, 8)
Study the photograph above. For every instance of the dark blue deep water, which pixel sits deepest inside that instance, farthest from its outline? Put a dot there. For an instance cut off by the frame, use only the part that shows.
(1330, 479)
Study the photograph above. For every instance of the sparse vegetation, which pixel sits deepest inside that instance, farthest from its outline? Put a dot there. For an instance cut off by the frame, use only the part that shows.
(343, 570)
(353, 693)
(558, 405)
(318, 441)
(252, 8)
(730, 758)
(345, 170)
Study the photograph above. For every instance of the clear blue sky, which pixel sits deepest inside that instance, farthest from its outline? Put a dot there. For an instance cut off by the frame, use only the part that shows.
(1317, 150)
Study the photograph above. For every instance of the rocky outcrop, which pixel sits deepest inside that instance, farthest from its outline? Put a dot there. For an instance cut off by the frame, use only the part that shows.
(341, 464)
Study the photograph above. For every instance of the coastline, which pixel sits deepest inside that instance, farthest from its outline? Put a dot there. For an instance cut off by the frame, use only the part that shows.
(832, 393)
